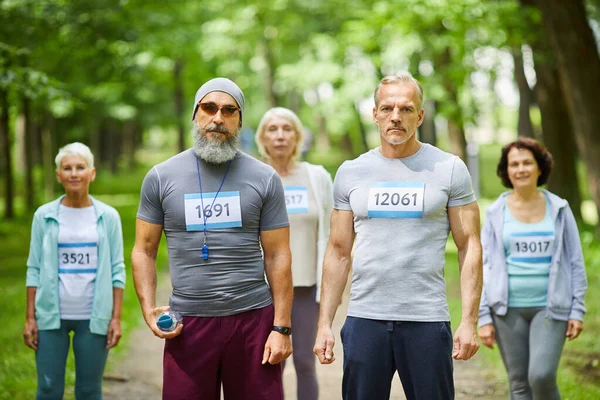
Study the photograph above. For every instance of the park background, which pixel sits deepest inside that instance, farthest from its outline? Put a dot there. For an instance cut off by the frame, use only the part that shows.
(120, 76)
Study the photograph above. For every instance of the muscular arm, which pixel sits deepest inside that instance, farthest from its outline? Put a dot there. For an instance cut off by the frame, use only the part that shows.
(336, 267)
(465, 226)
(278, 267)
(143, 264)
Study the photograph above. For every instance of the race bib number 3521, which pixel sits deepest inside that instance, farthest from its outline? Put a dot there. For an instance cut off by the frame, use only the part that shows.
(225, 212)
(396, 200)
(77, 258)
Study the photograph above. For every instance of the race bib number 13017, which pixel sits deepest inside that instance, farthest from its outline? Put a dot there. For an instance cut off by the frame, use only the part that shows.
(532, 247)
(396, 200)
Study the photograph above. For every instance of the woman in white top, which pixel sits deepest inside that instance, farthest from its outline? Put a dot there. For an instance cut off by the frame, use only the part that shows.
(75, 281)
(309, 200)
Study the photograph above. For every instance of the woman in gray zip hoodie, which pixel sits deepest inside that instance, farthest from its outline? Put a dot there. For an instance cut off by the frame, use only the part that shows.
(534, 275)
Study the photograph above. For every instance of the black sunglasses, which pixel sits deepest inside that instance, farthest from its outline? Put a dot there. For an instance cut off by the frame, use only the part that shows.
(212, 109)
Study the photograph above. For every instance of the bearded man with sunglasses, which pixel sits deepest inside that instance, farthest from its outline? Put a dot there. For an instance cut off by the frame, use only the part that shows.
(225, 220)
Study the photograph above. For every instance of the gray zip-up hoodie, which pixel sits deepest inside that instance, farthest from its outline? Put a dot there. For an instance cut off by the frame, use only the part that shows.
(567, 282)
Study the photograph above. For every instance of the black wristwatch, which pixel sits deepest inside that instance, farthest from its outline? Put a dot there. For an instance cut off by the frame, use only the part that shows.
(282, 329)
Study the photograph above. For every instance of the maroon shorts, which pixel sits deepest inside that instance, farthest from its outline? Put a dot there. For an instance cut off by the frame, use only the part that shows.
(227, 350)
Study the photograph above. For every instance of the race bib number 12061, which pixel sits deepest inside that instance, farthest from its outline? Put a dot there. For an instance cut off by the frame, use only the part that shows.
(396, 200)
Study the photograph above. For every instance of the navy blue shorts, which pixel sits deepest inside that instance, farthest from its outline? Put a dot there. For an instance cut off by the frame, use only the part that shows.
(374, 350)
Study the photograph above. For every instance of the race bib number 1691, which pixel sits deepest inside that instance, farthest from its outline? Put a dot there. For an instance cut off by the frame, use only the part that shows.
(396, 200)
(224, 211)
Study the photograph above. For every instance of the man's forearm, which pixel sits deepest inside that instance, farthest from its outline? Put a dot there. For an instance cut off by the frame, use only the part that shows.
(279, 273)
(144, 279)
(335, 276)
(471, 277)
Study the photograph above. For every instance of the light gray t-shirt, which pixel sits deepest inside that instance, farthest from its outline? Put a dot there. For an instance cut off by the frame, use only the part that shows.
(401, 224)
(251, 200)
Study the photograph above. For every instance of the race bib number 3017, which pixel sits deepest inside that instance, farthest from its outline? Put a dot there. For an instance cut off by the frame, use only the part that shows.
(532, 247)
(396, 200)
(225, 212)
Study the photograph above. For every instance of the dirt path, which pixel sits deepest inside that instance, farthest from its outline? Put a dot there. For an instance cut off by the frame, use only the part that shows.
(141, 369)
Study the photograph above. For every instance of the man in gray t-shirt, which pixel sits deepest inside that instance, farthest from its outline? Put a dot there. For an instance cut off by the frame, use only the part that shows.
(226, 225)
(398, 202)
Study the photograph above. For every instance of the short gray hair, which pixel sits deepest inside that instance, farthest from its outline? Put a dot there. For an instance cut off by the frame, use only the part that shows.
(401, 77)
(75, 149)
(286, 114)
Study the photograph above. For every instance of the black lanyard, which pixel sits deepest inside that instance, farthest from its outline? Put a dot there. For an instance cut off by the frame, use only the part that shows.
(207, 213)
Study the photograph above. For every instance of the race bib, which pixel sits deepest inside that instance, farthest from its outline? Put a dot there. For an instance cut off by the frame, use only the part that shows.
(396, 200)
(226, 211)
(296, 199)
(532, 247)
(77, 258)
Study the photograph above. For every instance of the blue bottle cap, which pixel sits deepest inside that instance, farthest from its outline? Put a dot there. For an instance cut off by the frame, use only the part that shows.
(164, 321)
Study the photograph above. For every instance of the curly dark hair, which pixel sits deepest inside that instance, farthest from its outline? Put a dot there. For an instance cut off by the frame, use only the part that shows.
(541, 155)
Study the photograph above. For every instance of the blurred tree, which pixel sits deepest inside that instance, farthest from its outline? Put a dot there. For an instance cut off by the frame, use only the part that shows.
(572, 39)
(6, 147)
(557, 130)
(526, 96)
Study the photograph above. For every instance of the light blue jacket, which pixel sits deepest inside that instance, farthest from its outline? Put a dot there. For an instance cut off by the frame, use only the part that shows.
(567, 283)
(42, 265)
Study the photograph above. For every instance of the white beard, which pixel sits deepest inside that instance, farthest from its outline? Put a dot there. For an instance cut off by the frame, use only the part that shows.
(212, 151)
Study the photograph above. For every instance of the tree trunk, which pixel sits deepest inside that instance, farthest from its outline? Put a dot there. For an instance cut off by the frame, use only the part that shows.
(48, 156)
(427, 132)
(179, 100)
(28, 153)
(524, 126)
(113, 145)
(361, 128)
(557, 129)
(273, 98)
(96, 141)
(573, 42)
(559, 138)
(458, 142)
(456, 131)
(7, 156)
(128, 145)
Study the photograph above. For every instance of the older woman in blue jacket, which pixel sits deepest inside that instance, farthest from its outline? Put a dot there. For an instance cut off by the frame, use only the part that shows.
(534, 275)
(75, 280)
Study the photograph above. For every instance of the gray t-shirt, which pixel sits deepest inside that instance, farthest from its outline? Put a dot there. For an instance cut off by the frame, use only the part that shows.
(401, 224)
(251, 200)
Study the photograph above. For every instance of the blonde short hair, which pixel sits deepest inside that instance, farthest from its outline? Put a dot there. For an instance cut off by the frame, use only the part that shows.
(401, 77)
(286, 114)
(75, 149)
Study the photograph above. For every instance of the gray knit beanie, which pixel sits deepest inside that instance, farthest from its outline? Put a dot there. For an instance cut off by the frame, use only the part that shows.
(220, 85)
